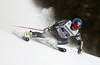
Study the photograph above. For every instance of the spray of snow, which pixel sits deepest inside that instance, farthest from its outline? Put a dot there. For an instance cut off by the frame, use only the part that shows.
(25, 13)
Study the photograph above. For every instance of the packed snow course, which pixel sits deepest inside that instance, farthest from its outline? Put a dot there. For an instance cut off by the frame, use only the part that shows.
(16, 51)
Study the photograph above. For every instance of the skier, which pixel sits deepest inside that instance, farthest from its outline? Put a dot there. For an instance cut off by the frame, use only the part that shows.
(62, 30)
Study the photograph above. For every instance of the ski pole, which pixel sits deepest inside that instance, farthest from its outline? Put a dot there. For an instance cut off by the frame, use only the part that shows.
(28, 28)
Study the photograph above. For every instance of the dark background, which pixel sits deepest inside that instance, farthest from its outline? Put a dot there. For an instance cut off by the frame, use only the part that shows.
(88, 11)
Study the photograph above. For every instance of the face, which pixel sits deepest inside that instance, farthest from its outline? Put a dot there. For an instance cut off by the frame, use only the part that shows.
(74, 29)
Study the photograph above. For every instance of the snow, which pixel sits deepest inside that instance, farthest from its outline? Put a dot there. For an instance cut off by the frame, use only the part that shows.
(15, 51)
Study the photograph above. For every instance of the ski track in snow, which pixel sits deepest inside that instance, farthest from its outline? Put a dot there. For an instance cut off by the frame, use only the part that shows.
(15, 51)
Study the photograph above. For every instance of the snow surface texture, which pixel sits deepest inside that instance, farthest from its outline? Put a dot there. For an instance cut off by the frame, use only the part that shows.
(15, 51)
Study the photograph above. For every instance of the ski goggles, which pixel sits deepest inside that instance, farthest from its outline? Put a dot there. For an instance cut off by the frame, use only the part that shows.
(75, 26)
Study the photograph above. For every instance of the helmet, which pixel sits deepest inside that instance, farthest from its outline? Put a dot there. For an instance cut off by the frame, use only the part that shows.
(77, 23)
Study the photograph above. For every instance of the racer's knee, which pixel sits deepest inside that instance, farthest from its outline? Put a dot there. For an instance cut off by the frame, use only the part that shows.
(36, 34)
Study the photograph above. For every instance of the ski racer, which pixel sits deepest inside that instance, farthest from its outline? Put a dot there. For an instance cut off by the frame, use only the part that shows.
(62, 30)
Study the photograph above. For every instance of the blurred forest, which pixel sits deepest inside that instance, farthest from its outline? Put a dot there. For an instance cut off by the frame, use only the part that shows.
(88, 11)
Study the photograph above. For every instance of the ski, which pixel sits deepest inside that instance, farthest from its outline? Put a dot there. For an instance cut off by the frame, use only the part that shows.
(48, 42)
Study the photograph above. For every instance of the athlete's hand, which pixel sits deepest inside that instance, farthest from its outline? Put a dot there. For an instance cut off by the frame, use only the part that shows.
(46, 30)
(79, 51)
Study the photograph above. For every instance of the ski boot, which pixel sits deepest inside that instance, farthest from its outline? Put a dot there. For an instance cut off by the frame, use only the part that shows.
(61, 49)
(26, 36)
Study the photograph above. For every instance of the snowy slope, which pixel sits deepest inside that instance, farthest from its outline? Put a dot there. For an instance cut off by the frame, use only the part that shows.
(15, 51)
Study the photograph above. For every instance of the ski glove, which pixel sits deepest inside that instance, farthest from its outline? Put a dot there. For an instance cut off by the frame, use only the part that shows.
(79, 51)
(46, 30)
